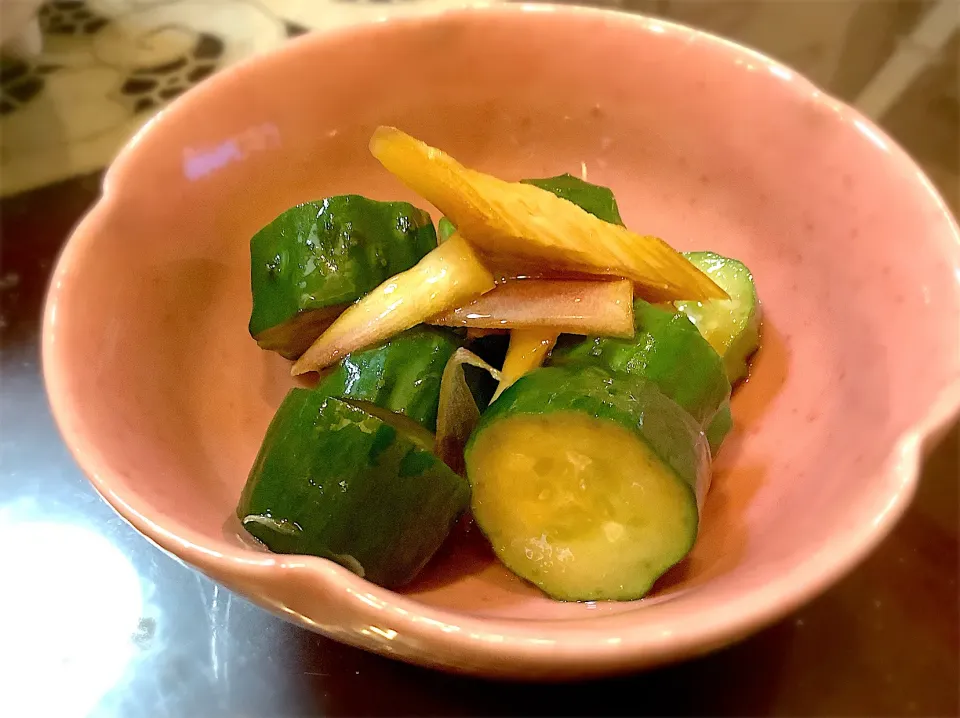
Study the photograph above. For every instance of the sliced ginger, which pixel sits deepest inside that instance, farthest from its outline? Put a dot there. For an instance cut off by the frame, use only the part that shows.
(601, 307)
(446, 278)
(527, 350)
(513, 221)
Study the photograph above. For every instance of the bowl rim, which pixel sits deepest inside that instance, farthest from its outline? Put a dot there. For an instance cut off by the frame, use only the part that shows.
(555, 646)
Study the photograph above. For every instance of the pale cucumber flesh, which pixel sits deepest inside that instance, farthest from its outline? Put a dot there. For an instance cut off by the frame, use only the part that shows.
(580, 506)
(732, 327)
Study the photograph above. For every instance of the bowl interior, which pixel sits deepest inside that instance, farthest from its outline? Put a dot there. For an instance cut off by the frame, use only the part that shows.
(705, 145)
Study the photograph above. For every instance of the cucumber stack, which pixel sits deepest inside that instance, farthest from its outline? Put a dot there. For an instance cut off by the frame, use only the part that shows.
(587, 475)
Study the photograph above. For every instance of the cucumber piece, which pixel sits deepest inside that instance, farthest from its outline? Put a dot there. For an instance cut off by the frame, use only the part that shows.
(403, 375)
(445, 229)
(351, 483)
(719, 427)
(292, 338)
(668, 350)
(587, 483)
(731, 326)
(595, 199)
(318, 257)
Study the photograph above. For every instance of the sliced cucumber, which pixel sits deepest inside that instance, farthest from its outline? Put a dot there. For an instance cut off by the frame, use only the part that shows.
(292, 338)
(666, 349)
(402, 375)
(445, 229)
(719, 427)
(595, 199)
(731, 326)
(587, 482)
(318, 257)
(351, 483)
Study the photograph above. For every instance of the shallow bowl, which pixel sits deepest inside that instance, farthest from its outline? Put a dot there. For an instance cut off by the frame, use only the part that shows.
(164, 398)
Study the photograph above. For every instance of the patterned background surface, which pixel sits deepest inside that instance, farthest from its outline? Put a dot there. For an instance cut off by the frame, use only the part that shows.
(86, 74)
(101, 68)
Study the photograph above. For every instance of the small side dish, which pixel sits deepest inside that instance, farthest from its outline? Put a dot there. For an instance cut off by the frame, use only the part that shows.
(531, 360)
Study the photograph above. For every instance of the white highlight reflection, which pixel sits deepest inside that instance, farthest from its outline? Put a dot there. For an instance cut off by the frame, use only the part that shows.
(781, 72)
(68, 615)
(871, 134)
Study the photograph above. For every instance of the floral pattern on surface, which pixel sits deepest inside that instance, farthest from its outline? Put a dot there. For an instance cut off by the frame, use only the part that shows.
(104, 67)
(70, 17)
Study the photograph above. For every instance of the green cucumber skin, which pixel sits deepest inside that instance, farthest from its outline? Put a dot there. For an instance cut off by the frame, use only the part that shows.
(445, 229)
(668, 350)
(595, 199)
(403, 375)
(331, 252)
(631, 401)
(719, 427)
(294, 336)
(345, 485)
(737, 279)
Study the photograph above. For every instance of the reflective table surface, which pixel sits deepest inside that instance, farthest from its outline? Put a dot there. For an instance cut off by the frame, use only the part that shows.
(130, 632)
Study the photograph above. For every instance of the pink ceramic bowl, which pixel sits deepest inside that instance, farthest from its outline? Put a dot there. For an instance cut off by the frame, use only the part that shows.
(164, 398)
